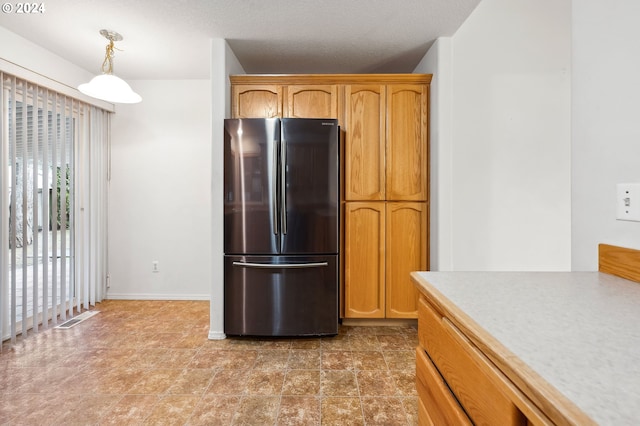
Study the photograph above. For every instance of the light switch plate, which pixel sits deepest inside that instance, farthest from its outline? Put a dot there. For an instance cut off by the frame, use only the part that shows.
(628, 201)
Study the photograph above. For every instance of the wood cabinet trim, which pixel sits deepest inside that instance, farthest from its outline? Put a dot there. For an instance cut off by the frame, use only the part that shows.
(620, 261)
(293, 79)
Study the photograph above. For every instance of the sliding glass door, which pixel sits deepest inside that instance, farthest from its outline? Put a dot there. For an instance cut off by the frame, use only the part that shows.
(37, 204)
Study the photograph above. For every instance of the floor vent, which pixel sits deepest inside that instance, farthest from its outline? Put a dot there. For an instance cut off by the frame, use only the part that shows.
(77, 319)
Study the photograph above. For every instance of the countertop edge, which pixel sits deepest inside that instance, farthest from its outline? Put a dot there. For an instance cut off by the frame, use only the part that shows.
(546, 397)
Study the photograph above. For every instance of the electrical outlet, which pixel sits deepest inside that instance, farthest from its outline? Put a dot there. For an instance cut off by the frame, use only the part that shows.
(628, 201)
(155, 266)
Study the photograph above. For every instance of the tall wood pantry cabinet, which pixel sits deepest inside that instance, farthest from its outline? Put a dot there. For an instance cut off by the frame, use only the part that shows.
(384, 121)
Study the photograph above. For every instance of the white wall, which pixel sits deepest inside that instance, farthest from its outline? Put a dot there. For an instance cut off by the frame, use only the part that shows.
(509, 154)
(26, 54)
(606, 133)
(160, 193)
(223, 63)
(438, 62)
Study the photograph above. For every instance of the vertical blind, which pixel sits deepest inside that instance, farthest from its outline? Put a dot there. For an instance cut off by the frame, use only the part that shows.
(54, 154)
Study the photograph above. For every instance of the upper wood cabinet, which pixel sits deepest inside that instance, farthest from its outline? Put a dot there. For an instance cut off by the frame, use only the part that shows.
(250, 100)
(312, 101)
(364, 142)
(386, 142)
(256, 101)
(406, 162)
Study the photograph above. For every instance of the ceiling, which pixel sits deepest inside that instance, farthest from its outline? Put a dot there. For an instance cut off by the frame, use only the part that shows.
(171, 40)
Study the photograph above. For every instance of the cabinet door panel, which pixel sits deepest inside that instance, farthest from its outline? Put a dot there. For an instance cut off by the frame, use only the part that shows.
(364, 260)
(256, 101)
(406, 247)
(312, 101)
(407, 142)
(364, 142)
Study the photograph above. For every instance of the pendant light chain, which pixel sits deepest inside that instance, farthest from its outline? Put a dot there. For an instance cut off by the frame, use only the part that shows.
(107, 65)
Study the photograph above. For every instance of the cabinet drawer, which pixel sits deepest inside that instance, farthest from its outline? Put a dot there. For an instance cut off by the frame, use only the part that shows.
(440, 407)
(472, 383)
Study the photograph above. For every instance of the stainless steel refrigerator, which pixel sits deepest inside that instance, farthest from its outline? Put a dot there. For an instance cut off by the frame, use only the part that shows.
(281, 214)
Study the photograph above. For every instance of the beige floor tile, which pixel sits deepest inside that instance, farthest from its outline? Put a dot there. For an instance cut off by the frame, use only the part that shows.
(130, 409)
(150, 362)
(304, 359)
(342, 411)
(215, 410)
(405, 382)
(336, 360)
(158, 382)
(369, 360)
(401, 360)
(265, 382)
(172, 410)
(229, 382)
(364, 343)
(301, 382)
(410, 405)
(192, 381)
(299, 411)
(257, 411)
(87, 410)
(338, 383)
(272, 359)
(383, 412)
(306, 344)
(376, 383)
(397, 342)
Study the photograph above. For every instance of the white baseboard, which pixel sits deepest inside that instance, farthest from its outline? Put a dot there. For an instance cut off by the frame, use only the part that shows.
(217, 335)
(155, 296)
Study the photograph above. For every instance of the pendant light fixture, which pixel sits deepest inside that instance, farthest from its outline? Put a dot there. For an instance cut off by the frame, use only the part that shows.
(107, 86)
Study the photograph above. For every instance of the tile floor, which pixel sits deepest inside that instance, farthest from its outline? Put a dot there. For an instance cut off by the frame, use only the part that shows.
(150, 362)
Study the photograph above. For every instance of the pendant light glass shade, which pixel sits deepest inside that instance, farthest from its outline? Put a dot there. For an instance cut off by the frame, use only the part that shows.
(107, 86)
(110, 88)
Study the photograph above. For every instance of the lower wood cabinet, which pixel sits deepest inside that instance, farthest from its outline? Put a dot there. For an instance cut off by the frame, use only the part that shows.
(383, 243)
(438, 406)
(364, 254)
(457, 384)
(406, 249)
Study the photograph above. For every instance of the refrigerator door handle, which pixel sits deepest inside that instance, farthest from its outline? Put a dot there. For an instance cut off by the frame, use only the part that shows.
(274, 192)
(280, 265)
(283, 187)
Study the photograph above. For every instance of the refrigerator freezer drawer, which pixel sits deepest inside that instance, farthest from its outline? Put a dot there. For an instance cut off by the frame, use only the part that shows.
(281, 295)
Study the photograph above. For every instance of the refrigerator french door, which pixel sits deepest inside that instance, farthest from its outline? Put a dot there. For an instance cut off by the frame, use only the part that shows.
(281, 208)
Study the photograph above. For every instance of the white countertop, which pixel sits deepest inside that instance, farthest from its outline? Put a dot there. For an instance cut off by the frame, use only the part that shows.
(579, 331)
